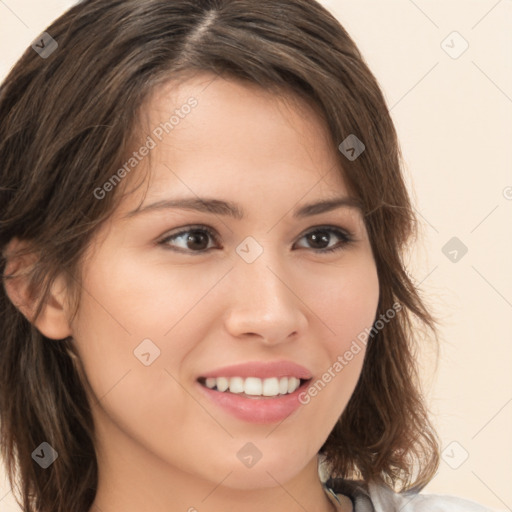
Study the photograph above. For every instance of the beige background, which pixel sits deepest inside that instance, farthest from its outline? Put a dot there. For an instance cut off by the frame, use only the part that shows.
(453, 117)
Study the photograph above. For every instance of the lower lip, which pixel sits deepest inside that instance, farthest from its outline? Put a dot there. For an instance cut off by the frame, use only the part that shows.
(257, 410)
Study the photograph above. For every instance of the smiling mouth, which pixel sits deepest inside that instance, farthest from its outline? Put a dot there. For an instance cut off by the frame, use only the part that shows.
(253, 387)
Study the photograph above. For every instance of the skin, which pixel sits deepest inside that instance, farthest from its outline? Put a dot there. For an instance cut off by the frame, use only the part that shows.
(162, 445)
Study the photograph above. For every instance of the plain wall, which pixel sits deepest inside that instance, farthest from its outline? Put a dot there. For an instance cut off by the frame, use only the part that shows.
(453, 115)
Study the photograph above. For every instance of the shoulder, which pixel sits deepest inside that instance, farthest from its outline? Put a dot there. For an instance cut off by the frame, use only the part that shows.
(373, 497)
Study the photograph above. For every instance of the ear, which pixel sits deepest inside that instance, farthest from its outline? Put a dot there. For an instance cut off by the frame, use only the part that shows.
(53, 321)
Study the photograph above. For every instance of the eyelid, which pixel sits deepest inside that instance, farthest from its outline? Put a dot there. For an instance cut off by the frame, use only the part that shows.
(329, 227)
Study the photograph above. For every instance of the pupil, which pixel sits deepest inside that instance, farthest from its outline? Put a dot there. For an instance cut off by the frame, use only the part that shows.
(318, 240)
(197, 240)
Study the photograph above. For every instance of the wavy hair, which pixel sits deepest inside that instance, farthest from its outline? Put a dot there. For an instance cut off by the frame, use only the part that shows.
(66, 124)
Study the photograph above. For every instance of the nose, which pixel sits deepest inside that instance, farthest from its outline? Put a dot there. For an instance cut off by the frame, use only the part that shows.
(263, 303)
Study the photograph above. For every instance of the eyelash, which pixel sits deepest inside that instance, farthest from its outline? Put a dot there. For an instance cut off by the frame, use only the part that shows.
(345, 236)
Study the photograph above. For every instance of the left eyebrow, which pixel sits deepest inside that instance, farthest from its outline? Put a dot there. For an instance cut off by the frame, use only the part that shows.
(220, 207)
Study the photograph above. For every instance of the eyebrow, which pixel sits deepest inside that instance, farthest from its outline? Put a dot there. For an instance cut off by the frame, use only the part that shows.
(227, 208)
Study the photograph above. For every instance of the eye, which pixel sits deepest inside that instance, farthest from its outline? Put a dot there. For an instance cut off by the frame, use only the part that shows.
(193, 239)
(321, 237)
(196, 239)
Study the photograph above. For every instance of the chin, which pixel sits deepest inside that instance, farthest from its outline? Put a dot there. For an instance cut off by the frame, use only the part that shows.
(261, 475)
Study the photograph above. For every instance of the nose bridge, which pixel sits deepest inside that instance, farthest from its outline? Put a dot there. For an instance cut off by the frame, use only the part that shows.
(260, 278)
(261, 271)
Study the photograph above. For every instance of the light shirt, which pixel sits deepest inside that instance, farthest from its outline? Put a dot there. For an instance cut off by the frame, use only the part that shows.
(379, 498)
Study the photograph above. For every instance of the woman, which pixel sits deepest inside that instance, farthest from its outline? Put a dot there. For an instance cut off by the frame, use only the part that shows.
(205, 305)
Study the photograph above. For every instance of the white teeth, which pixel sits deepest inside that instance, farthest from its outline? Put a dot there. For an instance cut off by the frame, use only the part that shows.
(254, 386)
(270, 387)
(293, 384)
(283, 385)
(222, 383)
(236, 385)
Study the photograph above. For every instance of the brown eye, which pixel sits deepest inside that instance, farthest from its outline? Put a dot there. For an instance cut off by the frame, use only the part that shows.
(321, 239)
(190, 240)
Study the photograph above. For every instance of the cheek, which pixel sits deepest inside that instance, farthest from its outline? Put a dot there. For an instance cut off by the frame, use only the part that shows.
(134, 329)
(130, 366)
(347, 301)
(142, 298)
(123, 315)
(347, 305)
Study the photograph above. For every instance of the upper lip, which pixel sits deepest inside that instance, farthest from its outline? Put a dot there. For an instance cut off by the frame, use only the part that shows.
(262, 370)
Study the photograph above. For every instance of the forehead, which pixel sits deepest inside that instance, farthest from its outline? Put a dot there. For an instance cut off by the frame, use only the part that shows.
(211, 133)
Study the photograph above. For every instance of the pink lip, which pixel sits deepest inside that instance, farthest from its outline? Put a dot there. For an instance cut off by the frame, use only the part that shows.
(262, 410)
(262, 370)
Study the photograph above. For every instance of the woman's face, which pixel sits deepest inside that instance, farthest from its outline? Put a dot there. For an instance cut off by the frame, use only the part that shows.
(172, 293)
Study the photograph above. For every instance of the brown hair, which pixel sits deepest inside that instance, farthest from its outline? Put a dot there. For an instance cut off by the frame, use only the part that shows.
(66, 123)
